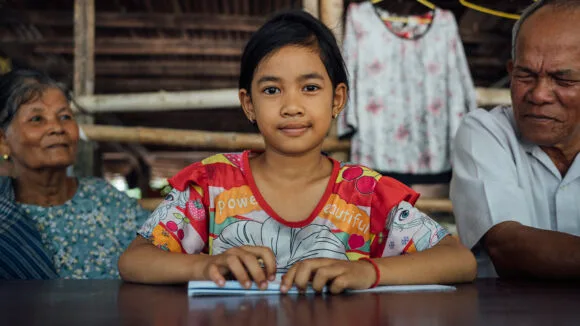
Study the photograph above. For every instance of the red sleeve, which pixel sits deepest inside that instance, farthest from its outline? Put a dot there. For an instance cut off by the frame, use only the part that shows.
(388, 193)
(193, 175)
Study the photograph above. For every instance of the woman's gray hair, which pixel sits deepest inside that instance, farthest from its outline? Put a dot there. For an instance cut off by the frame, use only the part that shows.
(19, 87)
(531, 9)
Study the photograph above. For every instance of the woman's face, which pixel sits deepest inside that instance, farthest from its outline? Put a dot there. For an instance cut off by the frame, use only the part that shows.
(43, 133)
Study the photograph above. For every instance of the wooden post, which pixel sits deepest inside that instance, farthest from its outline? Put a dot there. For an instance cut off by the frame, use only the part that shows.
(331, 12)
(311, 7)
(84, 76)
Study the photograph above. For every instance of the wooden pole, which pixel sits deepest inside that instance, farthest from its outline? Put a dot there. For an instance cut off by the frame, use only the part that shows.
(84, 76)
(331, 12)
(331, 15)
(311, 7)
(190, 138)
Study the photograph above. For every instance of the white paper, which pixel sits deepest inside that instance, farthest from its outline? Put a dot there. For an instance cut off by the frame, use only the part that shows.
(208, 288)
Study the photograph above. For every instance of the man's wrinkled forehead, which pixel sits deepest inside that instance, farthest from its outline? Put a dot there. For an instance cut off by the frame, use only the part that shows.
(553, 26)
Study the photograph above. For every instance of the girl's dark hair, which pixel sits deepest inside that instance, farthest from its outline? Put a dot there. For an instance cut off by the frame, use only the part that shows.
(21, 86)
(295, 27)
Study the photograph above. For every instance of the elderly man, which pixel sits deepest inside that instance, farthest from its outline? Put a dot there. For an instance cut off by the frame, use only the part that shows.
(516, 180)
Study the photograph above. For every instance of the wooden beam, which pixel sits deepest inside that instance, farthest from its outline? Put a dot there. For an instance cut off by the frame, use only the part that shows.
(168, 68)
(139, 20)
(135, 46)
(57, 65)
(84, 76)
(190, 138)
(486, 62)
(223, 98)
(208, 99)
(140, 85)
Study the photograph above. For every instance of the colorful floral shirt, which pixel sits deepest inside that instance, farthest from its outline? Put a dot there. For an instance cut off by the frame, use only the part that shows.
(87, 234)
(215, 205)
(407, 96)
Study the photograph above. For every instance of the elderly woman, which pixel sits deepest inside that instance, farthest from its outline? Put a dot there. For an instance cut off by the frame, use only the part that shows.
(83, 224)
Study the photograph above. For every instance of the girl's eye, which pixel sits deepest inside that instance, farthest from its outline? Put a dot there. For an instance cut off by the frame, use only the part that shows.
(66, 117)
(271, 90)
(311, 88)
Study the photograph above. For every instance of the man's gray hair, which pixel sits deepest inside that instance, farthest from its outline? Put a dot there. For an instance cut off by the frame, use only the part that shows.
(530, 10)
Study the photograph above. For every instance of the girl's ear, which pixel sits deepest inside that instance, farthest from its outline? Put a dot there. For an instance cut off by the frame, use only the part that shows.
(247, 106)
(339, 99)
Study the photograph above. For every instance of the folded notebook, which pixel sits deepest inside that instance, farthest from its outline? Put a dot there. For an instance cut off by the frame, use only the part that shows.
(208, 288)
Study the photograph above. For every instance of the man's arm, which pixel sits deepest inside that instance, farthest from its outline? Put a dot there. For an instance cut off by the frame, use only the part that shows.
(519, 250)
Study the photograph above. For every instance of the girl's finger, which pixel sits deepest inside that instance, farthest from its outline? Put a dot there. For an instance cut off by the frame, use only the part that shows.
(215, 275)
(288, 279)
(238, 270)
(339, 284)
(267, 257)
(323, 275)
(255, 269)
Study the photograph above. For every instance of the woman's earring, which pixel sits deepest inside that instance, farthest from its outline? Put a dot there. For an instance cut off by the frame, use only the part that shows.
(5, 157)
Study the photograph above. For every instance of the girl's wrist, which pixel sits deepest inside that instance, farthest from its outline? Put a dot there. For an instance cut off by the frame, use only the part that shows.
(377, 271)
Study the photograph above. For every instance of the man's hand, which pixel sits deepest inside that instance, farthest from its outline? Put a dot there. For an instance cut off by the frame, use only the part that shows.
(339, 274)
(245, 264)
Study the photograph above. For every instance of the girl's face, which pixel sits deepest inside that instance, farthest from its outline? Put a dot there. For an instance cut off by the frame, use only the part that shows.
(292, 100)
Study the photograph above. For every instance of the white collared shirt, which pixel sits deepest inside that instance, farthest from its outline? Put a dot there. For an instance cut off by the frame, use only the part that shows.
(497, 177)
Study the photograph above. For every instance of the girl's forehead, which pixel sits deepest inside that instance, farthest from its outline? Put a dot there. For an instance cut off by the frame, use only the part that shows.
(291, 58)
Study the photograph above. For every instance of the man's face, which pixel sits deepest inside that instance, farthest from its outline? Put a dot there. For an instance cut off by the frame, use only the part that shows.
(545, 78)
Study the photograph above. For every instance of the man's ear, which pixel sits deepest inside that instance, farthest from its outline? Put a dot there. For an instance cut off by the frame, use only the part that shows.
(247, 106)
(510, 67)
(339, 99)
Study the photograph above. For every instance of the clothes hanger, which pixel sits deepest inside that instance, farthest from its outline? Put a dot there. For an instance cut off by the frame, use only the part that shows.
(486, 10)
(420, 20)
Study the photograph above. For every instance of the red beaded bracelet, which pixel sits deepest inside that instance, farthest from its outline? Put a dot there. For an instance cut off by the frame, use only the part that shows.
(377, 270)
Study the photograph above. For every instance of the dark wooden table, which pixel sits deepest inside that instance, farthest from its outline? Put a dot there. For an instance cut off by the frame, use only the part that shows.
(486, 302)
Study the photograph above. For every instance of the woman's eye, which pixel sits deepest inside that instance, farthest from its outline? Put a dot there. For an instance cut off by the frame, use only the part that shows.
(311, 88)
(66, 117)
(36, 118)
(271, 90)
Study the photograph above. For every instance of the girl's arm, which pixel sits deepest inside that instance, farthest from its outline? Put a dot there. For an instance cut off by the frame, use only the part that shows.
(143, 262)
(446, 262)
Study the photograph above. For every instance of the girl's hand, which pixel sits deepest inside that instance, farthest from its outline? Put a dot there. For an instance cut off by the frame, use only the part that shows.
(246, 264)
(339, 274)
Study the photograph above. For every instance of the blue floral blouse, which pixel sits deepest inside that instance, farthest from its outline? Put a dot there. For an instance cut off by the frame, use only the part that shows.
(87, 234)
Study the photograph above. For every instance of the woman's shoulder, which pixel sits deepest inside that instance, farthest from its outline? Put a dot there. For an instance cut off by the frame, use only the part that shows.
(94, 184)
(6, 190)
(98, 189)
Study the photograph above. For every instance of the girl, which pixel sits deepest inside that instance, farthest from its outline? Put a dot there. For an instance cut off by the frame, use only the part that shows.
(291, 211)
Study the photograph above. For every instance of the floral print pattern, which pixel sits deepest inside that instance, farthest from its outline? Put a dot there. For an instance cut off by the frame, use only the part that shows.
(87, 234)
